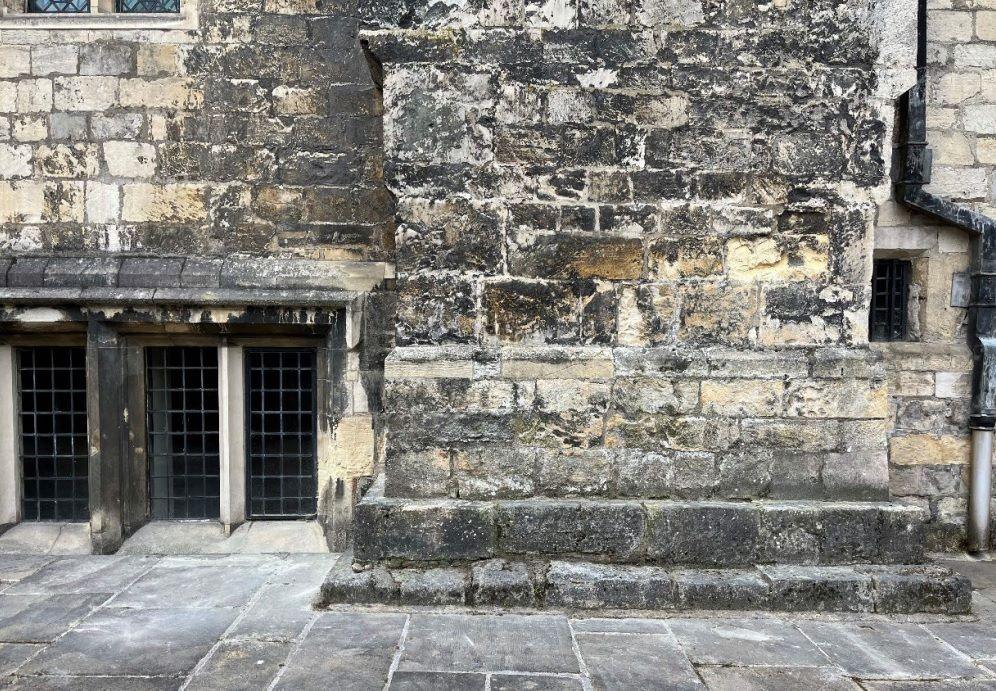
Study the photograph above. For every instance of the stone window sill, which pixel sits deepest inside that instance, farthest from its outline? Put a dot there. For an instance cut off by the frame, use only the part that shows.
(110, 21)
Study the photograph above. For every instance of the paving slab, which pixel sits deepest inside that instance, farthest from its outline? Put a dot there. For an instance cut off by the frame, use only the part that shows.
(522, 682)
(14, 567)
(888, 650)
(624, 661)
(345, 651)
(13, 655)
(42, 617)
(172, 584)
(284, 605)
(88, 574)
(241, 665)
(977, 640)
(621, 625)
(745, 642)
(438, 681)
(43, 537)
(488, 643)
(941, 685)
(775, 678)
(64, 683)
(123, 642)
(982, 572)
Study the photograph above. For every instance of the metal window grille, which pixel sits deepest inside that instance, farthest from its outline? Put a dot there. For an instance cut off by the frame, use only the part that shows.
(149, 6)
(890, 289)
(59, 6)
(183, 429)
(281, 446)
(54, 444)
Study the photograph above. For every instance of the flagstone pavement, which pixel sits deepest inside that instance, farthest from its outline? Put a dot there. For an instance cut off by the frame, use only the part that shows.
(245, 622)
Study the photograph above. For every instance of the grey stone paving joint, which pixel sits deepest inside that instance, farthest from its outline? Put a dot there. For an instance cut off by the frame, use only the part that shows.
(247, 622)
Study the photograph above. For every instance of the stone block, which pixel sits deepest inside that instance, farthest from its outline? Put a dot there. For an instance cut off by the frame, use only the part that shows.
(429, 587)
(857, 398)
(742, 397)
(85, 93)
(106, 58)
(822, 588)
(928, 449)
(68, 126)
(949, 26)
(343, 585)
(423, 531)
(130, 159)
(201, 273)
(15, 161)
(177, 93)
(702, 533)
(417, 474)
(721, 589)
(596, 586)
(850, 533)
(27, 272)
(103, 202)
(173, 202)
(502, 583)
(557, 363)
(911, 589)
(54, 58)
(574, 472)
(666, 474)
(495, 473)
(856, 475)
(139, 272)
(62, 272)
(901, 534)
(613, 529)
(34, 95)
(985, 25)
(15, 61)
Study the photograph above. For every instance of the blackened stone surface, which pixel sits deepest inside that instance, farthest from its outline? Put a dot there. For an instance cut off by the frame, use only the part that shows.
(438, 531)
(576, 585)
(433, 586)
(613, 529)
(374, 585)
(503, 583)
(758, 678)
(139, 272)
(703, 533)
(829, 589)
(902, 590)
(719, 589)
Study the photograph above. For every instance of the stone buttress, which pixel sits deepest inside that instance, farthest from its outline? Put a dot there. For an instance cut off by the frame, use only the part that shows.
(632, 365)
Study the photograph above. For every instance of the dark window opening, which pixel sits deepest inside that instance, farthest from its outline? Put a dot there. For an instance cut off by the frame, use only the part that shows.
(59, 6)
(280, 435)
(54, 444)
(149, 6)
(888, 319)
(183, 430)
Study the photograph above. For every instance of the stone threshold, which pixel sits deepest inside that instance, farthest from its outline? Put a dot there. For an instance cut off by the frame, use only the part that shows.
(573, 585)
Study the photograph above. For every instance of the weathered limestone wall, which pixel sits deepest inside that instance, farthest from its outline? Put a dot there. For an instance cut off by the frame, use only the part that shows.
(930, 380)
(256, 133)
(635, 246)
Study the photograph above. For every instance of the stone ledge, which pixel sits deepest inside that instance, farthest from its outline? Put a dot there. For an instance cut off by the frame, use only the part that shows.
(704, 533)
(572, 585)
(220, 297)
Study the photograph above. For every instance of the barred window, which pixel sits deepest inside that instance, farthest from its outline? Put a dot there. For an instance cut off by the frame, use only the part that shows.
(120, 6)
(890, 290)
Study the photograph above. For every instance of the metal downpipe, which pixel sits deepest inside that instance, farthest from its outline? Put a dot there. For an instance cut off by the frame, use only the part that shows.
(979, 498)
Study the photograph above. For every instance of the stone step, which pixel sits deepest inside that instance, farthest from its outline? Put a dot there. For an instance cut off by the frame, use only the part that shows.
(693, 533)
(570, 585)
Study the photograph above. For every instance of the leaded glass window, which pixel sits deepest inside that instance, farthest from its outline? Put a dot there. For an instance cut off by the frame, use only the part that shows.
(58, 6)
(149, 6)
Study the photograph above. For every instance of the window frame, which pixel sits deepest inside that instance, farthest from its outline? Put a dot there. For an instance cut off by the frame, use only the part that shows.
(102, 14)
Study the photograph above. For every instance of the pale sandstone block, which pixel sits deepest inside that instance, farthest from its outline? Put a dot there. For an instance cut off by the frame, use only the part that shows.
(945, 26)
(975, 55)
(940, 118)
(951, 148)
(440, 369)
(763, 259)
(64, 202)
(15, 61)
(168, 92)
(953, 385)
(34, 96)
(103, 202)
(958, 183)
(15, 161)
(742, 397)
(928, 449)
(980, 118)
(985, 25)
(54, 58)
(854, 398)
(130, 159)
(985, 150)
(85, 93)
(954, 88)
(177, 203)
(159, 59)
(22, 201)
(904, 383)
(8, 97)
(30, 128)
(68, 161)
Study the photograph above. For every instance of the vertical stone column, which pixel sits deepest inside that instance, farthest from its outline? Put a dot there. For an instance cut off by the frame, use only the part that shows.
(10, 463)
(108, 432)
(231, 396)
(135, 478)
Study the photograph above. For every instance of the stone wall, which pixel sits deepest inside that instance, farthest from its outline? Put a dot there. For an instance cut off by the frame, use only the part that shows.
(256, 133)
(634, 246)
(930, 380)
